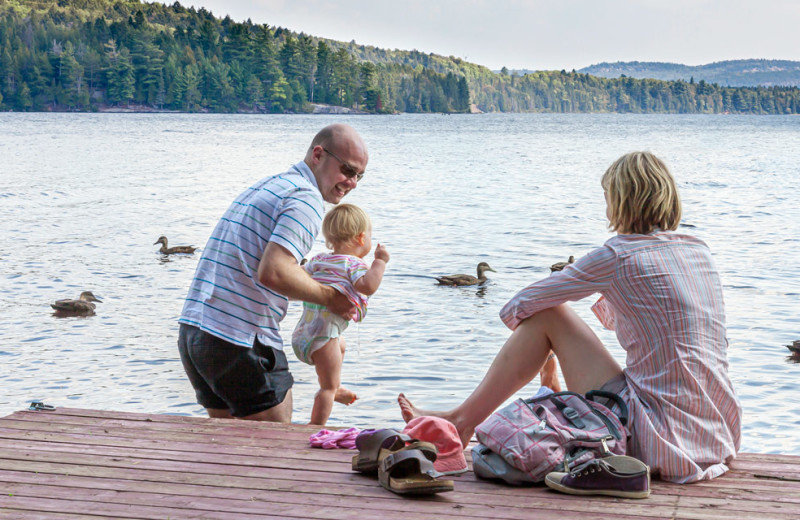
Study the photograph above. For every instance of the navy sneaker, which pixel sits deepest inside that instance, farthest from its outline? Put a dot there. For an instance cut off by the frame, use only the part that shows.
(616, 476)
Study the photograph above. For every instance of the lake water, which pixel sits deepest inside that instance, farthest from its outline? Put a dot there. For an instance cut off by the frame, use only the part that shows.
(84, 196)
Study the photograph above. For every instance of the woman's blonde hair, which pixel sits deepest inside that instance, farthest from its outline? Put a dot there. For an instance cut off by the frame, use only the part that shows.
(342, 223)
(641, 194)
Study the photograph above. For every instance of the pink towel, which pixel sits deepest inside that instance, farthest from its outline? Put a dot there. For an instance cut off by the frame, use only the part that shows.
(329, 440)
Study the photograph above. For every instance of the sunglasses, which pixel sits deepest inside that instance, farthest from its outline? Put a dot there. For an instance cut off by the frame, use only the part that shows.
(347, 170)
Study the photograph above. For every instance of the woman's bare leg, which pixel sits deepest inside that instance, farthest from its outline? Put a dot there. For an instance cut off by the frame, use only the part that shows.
(585, 363)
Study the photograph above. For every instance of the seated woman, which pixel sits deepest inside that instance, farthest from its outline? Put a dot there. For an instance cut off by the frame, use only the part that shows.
(662, 294)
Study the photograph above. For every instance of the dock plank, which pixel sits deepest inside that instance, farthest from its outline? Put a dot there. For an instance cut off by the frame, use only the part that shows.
(95, 464)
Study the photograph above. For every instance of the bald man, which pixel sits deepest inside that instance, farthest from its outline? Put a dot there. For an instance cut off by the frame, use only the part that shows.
(229, 338)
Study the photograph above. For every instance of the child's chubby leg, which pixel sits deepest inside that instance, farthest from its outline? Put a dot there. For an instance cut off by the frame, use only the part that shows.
(328, 364)
(344, 395)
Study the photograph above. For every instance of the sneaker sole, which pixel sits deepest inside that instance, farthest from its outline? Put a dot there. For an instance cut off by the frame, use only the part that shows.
(607, 492)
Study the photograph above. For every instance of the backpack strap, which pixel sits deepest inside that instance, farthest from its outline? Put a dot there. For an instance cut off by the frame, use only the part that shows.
(623, 408)
(570, 413)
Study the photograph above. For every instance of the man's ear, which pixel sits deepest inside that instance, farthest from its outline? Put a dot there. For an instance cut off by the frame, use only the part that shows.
(316, 153)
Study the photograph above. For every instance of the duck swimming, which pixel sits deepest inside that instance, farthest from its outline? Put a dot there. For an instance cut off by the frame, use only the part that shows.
(558, 266)
(466, 279)
(83, 306)
(172, 250)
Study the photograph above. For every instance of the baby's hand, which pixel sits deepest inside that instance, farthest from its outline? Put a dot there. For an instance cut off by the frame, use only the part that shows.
(381, 253)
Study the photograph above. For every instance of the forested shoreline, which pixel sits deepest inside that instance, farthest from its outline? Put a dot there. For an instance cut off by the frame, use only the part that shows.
(89, 55)
(730, 73)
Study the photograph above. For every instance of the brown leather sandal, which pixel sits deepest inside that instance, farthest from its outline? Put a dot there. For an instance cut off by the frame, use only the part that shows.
(411, 472)
(374, 446)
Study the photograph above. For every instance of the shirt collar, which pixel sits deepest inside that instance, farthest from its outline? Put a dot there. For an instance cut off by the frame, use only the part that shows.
(303, 169)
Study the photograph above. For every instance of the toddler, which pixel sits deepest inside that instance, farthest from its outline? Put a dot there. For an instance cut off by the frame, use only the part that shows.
(317, 338)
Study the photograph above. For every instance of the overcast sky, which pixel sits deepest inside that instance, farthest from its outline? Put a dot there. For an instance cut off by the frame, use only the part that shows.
(543, 34)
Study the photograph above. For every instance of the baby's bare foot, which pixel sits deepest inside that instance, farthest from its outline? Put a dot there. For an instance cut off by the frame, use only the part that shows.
(345, 396)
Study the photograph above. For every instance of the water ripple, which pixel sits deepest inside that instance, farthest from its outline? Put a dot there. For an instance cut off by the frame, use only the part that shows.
(518, 191)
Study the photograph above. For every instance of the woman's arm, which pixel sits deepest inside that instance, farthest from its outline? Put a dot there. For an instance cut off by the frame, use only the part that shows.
(588, 275)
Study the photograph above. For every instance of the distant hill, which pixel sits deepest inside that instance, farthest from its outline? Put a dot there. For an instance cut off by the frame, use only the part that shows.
(733, 73)
(131, 55)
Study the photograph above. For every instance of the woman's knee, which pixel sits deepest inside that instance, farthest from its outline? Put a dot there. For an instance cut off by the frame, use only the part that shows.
(544, 321)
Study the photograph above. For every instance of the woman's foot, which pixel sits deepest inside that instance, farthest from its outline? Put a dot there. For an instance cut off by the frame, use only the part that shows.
(409, 412)
(549, 374)
(345, 396)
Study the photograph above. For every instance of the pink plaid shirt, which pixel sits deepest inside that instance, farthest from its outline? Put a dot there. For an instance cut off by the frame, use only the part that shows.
(663, 297)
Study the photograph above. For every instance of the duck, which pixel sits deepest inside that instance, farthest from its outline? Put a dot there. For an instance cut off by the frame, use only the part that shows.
(83, 306)
(794, 347)
(466, 279)
(558, 266)
(172, 250)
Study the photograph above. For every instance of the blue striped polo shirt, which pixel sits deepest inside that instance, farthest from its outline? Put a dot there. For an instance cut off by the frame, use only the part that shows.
(225, 298)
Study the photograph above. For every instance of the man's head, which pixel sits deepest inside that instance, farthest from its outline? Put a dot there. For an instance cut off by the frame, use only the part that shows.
(337, 157)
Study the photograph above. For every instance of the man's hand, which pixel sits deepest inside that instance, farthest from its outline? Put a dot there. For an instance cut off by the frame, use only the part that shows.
(341, 305)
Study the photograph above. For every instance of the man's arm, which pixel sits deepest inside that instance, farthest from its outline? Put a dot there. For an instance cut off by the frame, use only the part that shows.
(278, 270)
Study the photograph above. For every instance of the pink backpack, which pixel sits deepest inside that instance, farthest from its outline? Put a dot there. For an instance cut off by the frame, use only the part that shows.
(555, 432)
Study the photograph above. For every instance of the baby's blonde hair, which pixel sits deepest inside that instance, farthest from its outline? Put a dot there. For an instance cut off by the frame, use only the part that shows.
(343, 223)
(641, 194)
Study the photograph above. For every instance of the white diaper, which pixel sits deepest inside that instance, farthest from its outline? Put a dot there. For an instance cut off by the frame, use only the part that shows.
(317, 326)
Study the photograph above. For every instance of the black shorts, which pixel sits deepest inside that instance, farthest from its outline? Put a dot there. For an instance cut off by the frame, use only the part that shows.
(230, 377)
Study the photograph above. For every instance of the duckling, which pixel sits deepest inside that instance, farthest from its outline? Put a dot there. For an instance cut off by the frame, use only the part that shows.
(171, 250)
(466, 279)
(558, 266)
(83, 306)
(794, 347)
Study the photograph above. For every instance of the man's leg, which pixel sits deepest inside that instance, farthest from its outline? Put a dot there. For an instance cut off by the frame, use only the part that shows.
(281, 413)
(226, 376)
(585, 363)
(193, 343)
(268, 371)
(219, 413)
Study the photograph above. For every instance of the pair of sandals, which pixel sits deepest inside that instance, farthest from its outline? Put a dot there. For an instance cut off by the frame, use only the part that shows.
(404, 465)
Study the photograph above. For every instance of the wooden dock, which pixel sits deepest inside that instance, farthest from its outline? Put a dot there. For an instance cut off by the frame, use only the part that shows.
(88, 464)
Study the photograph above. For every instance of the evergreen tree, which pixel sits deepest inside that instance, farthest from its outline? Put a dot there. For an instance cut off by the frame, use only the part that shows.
(24, 101)
(119, 74)
(323, 79)
(277, 101)
(71, 77)
(61, 55)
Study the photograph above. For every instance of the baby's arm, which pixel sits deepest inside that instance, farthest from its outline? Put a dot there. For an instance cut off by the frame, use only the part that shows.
(369, 283)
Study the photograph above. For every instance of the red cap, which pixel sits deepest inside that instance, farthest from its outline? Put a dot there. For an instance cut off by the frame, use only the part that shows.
(441, 432)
